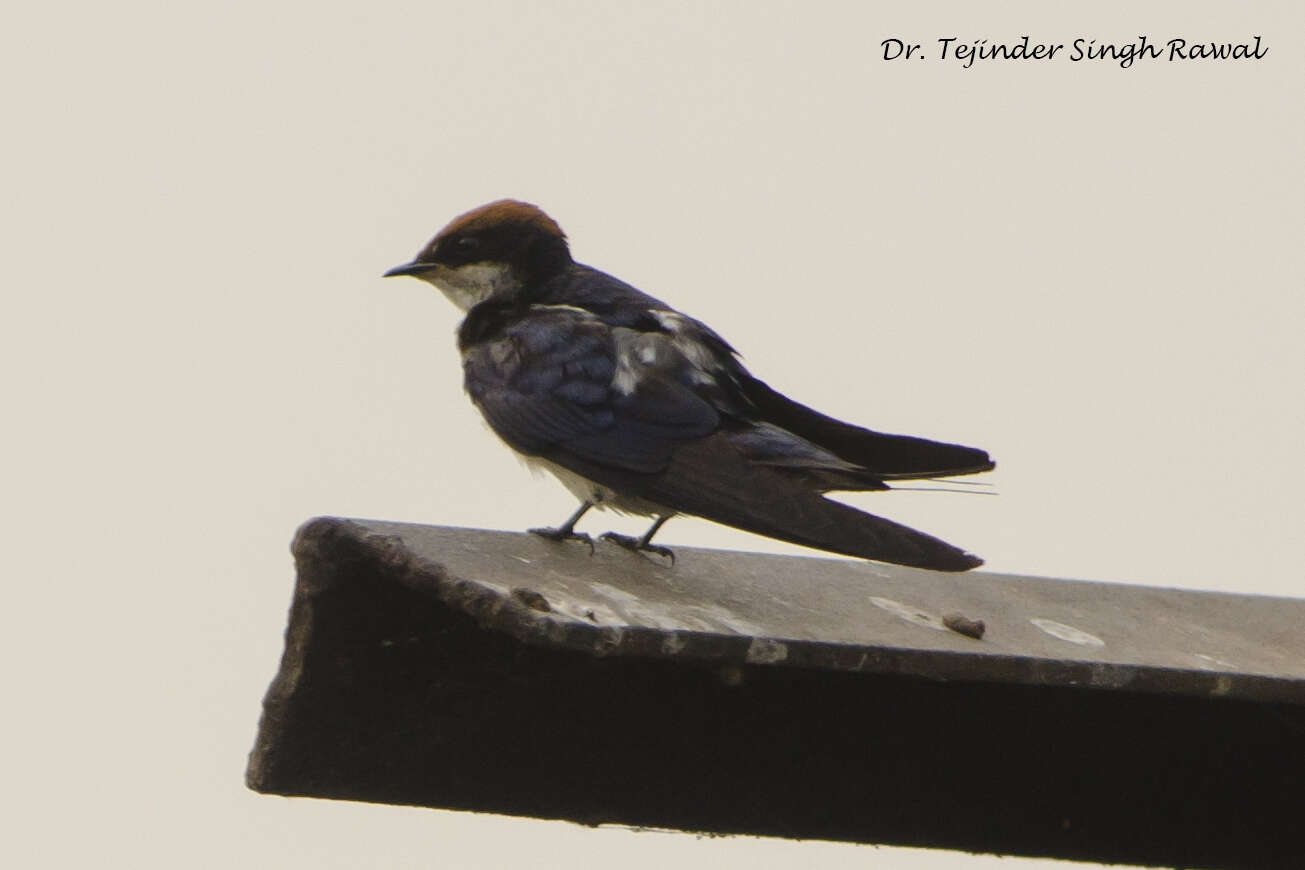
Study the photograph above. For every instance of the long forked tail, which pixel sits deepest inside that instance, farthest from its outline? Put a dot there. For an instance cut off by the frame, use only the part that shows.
(889, 456)
(829, 525)
(710, 479)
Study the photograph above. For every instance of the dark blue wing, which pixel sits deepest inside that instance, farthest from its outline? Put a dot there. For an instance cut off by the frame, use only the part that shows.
(557, 380)
(738, 394)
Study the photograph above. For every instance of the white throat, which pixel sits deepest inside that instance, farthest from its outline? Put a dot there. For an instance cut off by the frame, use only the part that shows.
(469, 285)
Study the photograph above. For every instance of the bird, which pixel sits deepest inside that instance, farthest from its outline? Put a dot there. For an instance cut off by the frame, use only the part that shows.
(638, 408)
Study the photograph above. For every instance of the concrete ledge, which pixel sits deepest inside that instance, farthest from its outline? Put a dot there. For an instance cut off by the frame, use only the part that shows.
(794, 697)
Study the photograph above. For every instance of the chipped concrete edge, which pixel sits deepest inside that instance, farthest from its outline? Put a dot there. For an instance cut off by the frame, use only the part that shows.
(520, 618)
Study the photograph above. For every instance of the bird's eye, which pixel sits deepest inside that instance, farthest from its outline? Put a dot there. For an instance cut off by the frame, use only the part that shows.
(466, 244)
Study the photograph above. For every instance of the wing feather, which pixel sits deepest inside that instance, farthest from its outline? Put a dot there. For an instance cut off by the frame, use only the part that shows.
(548, 384)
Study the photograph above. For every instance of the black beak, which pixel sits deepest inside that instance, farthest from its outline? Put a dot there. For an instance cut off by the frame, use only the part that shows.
(413, 268)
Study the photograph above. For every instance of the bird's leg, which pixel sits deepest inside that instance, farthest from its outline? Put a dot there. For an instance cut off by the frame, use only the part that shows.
(644, 544)
(566, 531)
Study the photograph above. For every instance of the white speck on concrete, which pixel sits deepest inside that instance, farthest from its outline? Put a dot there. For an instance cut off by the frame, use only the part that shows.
(911, 614)
(764, 651)
(1210, 663)
(672, 644)
(1061, 631)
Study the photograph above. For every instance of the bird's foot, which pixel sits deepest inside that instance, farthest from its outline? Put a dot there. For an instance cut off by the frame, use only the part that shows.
(638, 545)
(563, 534)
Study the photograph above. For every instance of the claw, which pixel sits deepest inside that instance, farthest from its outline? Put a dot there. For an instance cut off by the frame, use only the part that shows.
(563, 534)
(566, 531)
(638, 545)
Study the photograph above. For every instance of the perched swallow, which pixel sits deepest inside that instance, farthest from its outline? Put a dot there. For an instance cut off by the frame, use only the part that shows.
(641, 409)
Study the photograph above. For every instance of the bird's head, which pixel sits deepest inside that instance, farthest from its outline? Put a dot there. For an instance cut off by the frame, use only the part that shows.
(504, 250)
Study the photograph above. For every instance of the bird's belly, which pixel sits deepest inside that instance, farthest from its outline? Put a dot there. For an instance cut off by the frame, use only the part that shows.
(600, 496)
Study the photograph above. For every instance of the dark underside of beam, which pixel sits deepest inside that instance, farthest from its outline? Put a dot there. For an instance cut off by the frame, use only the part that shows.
(408, 678)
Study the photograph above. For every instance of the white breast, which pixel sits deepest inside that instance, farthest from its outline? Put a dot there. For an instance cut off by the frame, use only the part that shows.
(587, 490)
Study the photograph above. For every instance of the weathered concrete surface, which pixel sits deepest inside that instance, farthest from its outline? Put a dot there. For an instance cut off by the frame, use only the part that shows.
(802, 697)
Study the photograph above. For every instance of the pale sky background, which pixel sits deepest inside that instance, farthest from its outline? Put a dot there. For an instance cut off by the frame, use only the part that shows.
(1096, 273)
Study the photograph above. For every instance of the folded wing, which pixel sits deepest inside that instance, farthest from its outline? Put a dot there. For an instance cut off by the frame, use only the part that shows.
(630, 411)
